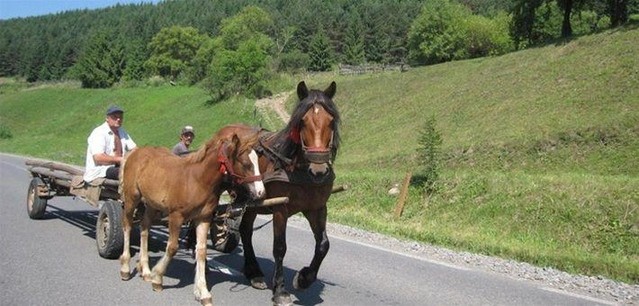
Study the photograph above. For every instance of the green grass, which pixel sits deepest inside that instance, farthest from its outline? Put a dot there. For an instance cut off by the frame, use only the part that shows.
(540, 154)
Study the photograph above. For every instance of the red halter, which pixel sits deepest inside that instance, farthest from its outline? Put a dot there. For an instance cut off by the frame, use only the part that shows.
(226, 168)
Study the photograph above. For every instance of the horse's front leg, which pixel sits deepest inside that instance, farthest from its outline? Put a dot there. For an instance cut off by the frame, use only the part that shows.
(305, 277)
(175, 223)
(280, 295)
(252, 270)
(201, 290)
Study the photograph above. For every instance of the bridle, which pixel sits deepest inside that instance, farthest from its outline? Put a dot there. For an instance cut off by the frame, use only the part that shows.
(314, 155)
(318, 155)
(226, 168)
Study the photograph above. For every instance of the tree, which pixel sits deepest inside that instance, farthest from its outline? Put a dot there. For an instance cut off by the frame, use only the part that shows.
(618, 12)
(354, 43)
(242, 55)
(437, 34)
(566, 5)
(524, 21)
(430, 141)
(102, 63)
(239, 71)
(321, 55)
(172, 51)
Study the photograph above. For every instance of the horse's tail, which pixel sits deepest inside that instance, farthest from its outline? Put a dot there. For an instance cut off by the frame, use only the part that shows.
(121, 174)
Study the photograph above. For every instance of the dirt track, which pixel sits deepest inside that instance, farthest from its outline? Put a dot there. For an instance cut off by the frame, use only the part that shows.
(276, 103)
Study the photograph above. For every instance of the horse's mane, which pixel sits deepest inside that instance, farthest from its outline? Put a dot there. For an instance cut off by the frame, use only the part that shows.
(203, 151)
(285, 145)
(246, 143)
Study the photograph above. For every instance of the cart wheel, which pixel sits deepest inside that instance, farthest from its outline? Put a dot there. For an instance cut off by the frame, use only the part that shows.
(35, 204)
(227, 237)
(108, 230)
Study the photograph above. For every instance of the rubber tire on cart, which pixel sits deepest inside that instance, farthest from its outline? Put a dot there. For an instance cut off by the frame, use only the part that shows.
(36, 205)
(108, 230)
(231, 238)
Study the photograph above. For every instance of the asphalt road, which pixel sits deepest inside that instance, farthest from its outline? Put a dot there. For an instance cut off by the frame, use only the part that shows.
(54, 261)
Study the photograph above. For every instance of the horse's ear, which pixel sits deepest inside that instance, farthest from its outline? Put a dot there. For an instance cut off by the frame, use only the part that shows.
(302, 90)
(330, 91)
(236, 141)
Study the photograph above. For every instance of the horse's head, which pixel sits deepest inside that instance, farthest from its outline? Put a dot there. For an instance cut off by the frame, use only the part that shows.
(239, 161)
(314, 127)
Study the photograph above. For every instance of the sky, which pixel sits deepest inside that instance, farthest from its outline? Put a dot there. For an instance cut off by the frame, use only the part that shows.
(26, 8)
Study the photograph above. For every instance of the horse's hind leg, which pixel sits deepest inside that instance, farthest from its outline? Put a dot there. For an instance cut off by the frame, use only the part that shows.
(130, 202)
(201, 290)
(145, 226)
(251, 269)
(305, 277)
(175, 223)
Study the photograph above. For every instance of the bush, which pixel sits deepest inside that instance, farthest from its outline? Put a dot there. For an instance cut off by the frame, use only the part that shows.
(294, 61)
(5, 132)
(429, 149)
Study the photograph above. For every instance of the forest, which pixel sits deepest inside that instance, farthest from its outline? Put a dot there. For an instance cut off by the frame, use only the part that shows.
(234, 46)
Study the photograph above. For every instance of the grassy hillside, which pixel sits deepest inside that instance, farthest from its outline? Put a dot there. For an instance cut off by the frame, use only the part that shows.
(540, 147)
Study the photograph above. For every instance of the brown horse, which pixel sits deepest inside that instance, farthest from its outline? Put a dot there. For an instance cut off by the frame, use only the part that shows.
(184, 188)
(295, 162)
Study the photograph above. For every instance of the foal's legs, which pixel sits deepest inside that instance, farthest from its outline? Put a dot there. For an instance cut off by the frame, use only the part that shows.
(201, 290)
(145, 227)
(317, 220)
(175, 223)
(130, 202)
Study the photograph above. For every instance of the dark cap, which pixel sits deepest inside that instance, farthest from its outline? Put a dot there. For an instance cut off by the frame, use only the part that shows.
(114, 109)
(188, 129)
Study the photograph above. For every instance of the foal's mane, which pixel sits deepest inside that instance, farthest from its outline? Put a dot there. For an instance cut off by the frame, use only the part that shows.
(285, 145)
(212, 146)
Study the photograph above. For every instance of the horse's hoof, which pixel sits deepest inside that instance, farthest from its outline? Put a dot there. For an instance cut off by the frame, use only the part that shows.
(304, 279)
(207, 301)
(157, 287)
(282, 300)
(146, 278)
(258, 283)
(125, 276)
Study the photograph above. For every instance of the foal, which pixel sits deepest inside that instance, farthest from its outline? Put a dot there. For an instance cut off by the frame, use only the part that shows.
(184, 188)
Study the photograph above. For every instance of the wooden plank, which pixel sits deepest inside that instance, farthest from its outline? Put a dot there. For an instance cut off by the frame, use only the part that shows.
(403, 194)
(269, 202)
(55, 166)
(52, 174)
(339, 188)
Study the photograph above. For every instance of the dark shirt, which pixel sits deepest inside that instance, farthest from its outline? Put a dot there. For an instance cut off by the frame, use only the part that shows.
(180, 149)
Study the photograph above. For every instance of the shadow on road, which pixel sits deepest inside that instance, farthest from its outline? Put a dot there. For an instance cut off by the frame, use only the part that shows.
(182, 267)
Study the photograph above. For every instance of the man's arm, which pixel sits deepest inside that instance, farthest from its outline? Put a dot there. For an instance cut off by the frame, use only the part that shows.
(103, 159)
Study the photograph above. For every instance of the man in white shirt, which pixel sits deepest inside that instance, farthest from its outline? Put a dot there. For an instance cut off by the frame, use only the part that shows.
(106, 146)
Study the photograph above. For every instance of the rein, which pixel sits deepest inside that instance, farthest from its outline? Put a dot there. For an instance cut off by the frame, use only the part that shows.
(226, 168)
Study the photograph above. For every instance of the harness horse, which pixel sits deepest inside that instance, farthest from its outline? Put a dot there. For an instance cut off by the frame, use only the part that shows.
(296, 162)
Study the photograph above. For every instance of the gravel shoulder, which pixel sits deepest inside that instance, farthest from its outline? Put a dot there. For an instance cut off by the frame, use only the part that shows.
(593, 286)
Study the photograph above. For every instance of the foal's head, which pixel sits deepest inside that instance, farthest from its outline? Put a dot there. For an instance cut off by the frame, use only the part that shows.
(315, 122)
(239, 160)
